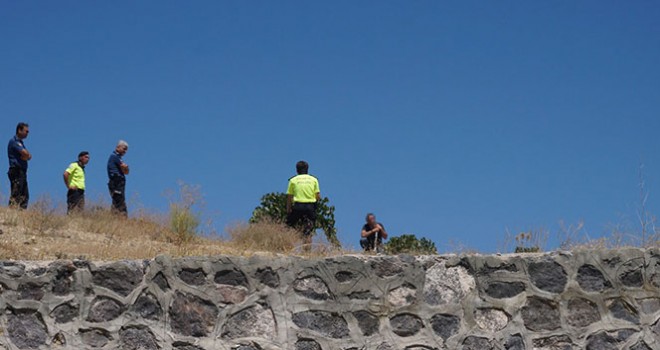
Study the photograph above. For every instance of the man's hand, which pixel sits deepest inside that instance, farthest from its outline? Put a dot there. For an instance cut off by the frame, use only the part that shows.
(73, 188)
(124, 168)
(25, 155)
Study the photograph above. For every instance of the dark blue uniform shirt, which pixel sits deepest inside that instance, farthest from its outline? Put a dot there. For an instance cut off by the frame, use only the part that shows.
(114, 165)
(14, 149)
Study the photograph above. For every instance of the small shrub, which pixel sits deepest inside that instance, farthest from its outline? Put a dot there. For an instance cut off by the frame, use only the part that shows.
(183, 222)
(410, 244)
(531, 241)
(184, 216)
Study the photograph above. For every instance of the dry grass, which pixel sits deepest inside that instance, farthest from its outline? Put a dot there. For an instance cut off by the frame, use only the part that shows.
(99, 235)
(274, 237)
(45, 232)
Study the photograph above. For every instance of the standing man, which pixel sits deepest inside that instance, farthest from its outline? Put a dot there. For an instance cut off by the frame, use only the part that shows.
(373, 234)
(74, 179)
(117, 171)
(302, 194)
(18, 166)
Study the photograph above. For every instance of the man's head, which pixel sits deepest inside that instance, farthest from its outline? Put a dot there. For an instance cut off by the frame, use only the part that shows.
(302, 167)
(22, 130)
(122, 147)
(371, 218)
(83, 157)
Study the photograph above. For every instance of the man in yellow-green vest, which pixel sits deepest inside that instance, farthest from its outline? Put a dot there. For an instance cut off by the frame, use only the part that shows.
(303, 193)
(74, 179)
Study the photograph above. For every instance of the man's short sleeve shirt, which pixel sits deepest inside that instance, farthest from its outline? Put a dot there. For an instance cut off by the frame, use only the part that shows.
(114, 165)
(303, 188)
(14, 149)
(76, 175)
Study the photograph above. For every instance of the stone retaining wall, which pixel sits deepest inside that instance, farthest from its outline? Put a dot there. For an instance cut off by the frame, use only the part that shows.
(584, 300)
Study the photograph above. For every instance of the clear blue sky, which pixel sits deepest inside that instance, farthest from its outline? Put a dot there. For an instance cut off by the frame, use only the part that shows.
(450, 120)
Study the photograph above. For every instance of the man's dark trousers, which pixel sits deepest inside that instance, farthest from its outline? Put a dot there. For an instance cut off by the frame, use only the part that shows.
(20, 194)
(117, 187)
(75, 201)
(302, 217)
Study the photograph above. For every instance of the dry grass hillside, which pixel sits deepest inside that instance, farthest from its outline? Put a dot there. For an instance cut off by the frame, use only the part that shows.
(45, 233)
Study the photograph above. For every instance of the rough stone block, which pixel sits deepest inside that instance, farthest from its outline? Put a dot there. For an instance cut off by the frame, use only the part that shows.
(406, 325)
(445, 326)
(137, 338)
(120, 277)
(504, 290)
(325, 323)
(233, 277)
(541, 314)
(104, 309)
(312, 287)
(369, 324)
(147, 307)
(192, 316)
(404, 295)
(26, 329)
(193, 277)
(268, 277)
(65, 313)
(95, 337)
(622, 310)
(582, 313)
(256, 321)
(447, 285)
(491, 320)
(548, 276)
(307, 344)
(591, 279)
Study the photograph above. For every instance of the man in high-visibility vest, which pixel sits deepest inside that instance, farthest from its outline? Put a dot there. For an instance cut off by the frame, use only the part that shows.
(74, 179)
(303, 194)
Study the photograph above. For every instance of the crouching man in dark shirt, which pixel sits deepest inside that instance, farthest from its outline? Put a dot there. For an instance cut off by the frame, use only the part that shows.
(373, 234)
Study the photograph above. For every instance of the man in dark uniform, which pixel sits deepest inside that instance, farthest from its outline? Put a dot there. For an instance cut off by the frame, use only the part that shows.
(373, 234)
(302, 195)
(18, 166)
(117, 171)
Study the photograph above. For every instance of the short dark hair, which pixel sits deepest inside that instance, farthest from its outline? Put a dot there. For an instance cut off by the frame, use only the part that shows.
(366, 218)
(21, 126)
(82, 154)
(302, 167)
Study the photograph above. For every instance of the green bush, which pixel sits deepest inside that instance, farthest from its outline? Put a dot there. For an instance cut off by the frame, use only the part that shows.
(409, 244)
(273, 208)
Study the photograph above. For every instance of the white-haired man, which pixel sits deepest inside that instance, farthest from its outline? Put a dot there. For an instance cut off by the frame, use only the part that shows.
(117, 171)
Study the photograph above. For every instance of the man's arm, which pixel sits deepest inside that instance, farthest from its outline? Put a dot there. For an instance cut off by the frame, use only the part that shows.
(318, 196)
(25, 154)
(365, 233)
(383, 233)
(124, 168)
(289, 203)
(66, 180)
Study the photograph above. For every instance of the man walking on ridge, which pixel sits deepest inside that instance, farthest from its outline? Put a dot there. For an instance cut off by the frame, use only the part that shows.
(117, 171)
(74, 179)
(302, 195)
(18, 165)
(373, 234)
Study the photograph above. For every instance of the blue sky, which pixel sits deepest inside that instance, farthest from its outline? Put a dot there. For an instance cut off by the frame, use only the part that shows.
(450, 120)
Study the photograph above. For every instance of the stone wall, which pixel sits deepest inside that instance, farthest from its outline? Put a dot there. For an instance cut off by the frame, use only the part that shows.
(583, 300)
